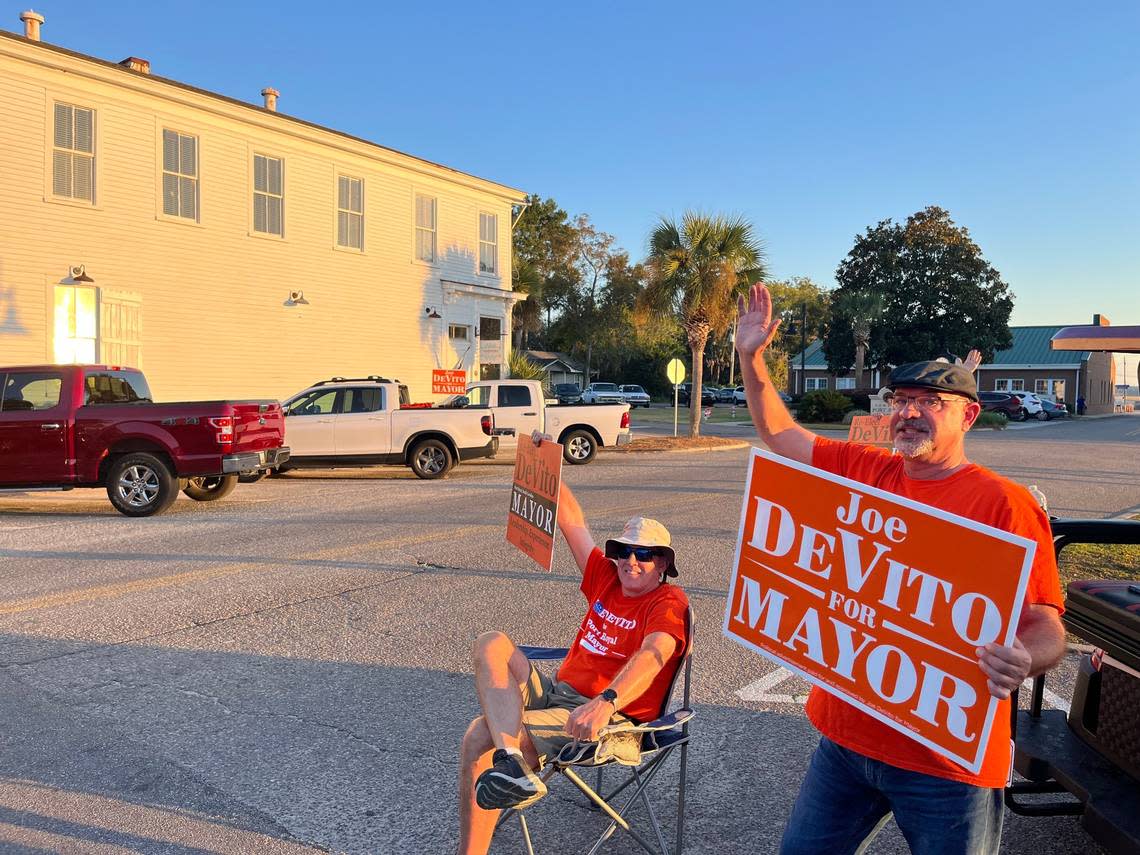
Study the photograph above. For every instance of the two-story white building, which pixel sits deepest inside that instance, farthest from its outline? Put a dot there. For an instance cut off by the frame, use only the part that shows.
(227, 249)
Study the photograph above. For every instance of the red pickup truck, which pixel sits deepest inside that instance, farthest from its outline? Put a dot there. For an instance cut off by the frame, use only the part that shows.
(65, 426)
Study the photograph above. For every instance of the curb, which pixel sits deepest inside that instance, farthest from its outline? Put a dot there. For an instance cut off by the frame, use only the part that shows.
(735, 446)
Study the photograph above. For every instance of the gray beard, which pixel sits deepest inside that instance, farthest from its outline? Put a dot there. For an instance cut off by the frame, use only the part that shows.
(914, 448)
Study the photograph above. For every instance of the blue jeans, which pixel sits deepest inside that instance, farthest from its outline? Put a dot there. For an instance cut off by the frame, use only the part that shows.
(846, 798)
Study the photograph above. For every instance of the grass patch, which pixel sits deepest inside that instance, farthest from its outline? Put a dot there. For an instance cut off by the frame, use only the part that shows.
(721, 414)
(1098, 561)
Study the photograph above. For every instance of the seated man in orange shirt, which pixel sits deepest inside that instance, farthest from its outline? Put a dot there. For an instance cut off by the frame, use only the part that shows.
(619, 668)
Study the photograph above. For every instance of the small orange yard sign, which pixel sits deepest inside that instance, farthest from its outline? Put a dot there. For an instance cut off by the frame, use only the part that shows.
(871, 430)
(876, 599)
(446, 382)
(533, 515)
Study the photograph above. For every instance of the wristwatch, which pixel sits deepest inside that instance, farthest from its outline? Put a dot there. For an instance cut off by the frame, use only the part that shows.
(609, 695)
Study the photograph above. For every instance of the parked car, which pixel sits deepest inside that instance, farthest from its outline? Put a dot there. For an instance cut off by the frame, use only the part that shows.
(568, 393)
(739, 398)
(66, 426)
(1032, 403)
(684, 393)
(370, 421)
(1006, 403)
(1052, 410)
(602, 393)
(635, 396)
(520, 409)
(725, 395)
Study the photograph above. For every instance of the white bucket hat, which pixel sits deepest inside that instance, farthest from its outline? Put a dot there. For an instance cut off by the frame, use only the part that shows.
(642, 531)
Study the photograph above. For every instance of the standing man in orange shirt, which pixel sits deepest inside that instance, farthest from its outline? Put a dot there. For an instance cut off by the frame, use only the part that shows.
(862, 770)
(619, 668)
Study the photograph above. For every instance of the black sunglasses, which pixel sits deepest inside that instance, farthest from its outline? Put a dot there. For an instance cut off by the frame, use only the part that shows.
(642, 553)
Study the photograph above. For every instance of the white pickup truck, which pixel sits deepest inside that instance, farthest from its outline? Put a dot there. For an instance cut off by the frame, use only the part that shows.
(370, 422)
(520, 408)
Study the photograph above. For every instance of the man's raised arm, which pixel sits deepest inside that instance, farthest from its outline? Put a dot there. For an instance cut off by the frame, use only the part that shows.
(754, 332)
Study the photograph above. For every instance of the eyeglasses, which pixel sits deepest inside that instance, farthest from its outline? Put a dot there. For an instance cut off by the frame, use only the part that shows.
(926, 403)
(642, 553)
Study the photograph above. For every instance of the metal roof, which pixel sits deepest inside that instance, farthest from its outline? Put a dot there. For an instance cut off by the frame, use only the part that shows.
(1031, 347)
(813, 357)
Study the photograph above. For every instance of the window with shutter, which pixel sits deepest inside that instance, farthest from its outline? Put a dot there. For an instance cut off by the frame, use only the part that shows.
(120, 328)
(73, 152)
(350, 212)
(488, 242)
(179, 175)
(268, 195)
(425, 228)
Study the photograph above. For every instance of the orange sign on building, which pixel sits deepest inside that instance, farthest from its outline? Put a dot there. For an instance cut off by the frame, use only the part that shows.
(856, 590)
(533, 516)
(870, 430)
(447, 382)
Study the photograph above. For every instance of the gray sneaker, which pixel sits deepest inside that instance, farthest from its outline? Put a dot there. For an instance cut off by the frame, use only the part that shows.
(509, 783)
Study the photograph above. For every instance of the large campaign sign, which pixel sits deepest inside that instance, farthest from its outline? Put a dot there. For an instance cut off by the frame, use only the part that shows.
(533, 516)
(877, 599)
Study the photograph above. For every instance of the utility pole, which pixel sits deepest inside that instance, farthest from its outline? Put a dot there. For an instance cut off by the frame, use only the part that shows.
(732, 356)
(803, 348)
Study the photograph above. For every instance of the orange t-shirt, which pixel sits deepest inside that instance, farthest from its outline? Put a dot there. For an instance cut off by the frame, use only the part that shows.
(978, 494)
(613, 630)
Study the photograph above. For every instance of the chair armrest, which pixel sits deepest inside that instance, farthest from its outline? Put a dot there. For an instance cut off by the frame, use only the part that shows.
(543, 653)
(668, 722)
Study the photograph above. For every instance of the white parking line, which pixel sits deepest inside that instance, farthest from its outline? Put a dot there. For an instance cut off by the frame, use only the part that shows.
(758, 691)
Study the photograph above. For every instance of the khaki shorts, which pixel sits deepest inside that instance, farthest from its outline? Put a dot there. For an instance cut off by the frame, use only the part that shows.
(547, 706)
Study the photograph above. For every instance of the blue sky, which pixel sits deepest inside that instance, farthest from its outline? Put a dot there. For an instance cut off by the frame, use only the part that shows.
(813, 120)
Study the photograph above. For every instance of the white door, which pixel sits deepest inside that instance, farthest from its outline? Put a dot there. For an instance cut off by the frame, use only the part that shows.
(309, 423)
(363, 426)
(517, 414)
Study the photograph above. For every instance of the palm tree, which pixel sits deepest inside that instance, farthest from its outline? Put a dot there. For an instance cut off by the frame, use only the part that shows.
(863, 309)
(527, 313)
(696, 270)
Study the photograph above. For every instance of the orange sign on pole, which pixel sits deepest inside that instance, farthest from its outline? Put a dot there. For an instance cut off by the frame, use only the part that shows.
(855, 590)
(533, 516)
(870, 430)
(447, 382)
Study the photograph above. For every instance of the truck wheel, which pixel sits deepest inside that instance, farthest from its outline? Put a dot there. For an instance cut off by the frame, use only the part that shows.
(211, 488)
(578, 447)
(140, 485)
(252, 477)
(430, 459)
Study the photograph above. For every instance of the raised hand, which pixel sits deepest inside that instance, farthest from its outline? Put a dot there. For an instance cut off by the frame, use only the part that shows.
(973, 360)
(755, 328)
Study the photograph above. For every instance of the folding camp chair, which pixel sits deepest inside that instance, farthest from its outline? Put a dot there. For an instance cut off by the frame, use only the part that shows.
(669, 732)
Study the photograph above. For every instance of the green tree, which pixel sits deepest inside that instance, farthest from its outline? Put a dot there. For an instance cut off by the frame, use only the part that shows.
(697, 268)
(527, 316)
(859, 311)
(544, 244)
(938, 293)
(804, 309)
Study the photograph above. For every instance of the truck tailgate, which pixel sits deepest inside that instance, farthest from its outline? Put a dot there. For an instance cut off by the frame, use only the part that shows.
(258, 425)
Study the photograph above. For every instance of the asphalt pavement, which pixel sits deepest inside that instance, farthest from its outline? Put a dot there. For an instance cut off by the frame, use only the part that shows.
(288, 670)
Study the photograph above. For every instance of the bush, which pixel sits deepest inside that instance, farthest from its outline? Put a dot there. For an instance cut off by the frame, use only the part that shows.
(850, 414)
(998, 421)
(823, 405)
